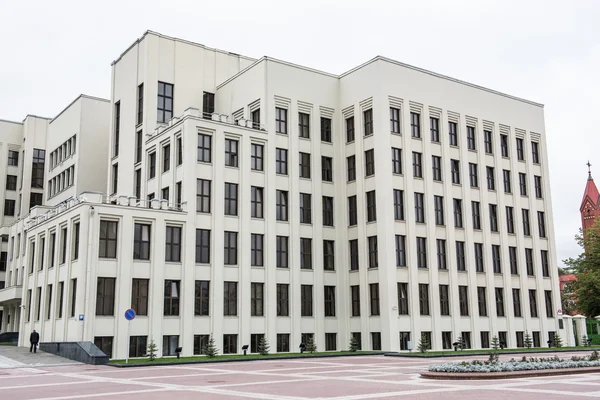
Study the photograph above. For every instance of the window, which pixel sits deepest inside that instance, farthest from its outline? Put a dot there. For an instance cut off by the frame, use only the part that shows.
(549, 308)
(535, 152)
(458, 219)
(230, 299)
(9, 207)
(173, 244)
(499, 302)
(400, 251)
(455, 171)
(256, 299)
(351, 168)
(491, 181)
(115, 178)
(53, 248)
(230, 248)
(35, 199)
(202, 245)
(538, 186)
(141, 242)
(231, 153)
(255, 117)
(329, 301)
(496, 261)
(330, 341)
(105, 296)
(374, 298)
(438, 204)
(117, 114)
(63, 252)
(256, 250)
(305, 208)
(444, 300)
(376, 340)
(421, 253)
(139, 296)
(327, 211)
(520, 150)
(203, 195)
(545, 264)
(516, 294)
(350, 129)
(281, 120)
(305, 253)
(352, 211)
(327, 169)
(523, 184)
(419, 208)
(368, 121)
(434, 124)
(171, 298)
(11, 182)
(256, 157)
(355, 300)
(370, 162)
(529, 262)
(140, 104)
(446, 340)
(526, 226)
(533, 303)
(108, 239)
(48, 301)
(179, 143)
(38, 307)
(283, 342)
(283, 297)
(230, 344)
(398, 205)
(105, 344)
(417, 165)
(208, 105)
(282, 251)
(493, 217)
(394, 120)
(139, 143)
(424, 299)
(436, 163)
(475, 207)
(541, 224)
(305, 165)
(415, 125)
(441, 254)
(463, 300)
(353, 248)
(510, 221)
(281, 161)
(200, 343)
(453, 134)
(479, 257)
(255, 339)
(13, 156)
(328, 255)
(326, 129)
(482, 301)
(281, 205)
(507, 184)
(404, 339)
(402, 298)
(256, 202)
(306, 300)
(166, 153)
(512, 257)
(371, 206)
(471, 138)
(304, 125)
(231, 198)
(165, 102)
(204, 148)
(504, 145)
(473, 175)
(487, 142)
(396, 160)
(373, 252)
(460, 256)
(73, 296)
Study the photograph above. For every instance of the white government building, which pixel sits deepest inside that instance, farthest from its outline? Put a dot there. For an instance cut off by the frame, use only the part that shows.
(217, 194)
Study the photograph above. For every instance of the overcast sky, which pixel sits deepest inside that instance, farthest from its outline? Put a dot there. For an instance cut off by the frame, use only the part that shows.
(543, 50)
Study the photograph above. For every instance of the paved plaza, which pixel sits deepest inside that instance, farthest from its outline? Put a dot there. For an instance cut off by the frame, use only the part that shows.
(344, 378)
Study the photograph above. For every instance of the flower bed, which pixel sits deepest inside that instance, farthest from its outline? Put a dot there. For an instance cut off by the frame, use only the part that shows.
(511, 366)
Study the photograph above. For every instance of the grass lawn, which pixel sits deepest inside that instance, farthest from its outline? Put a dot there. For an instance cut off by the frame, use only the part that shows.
(234, 357)
(509, 351)
(7, 344)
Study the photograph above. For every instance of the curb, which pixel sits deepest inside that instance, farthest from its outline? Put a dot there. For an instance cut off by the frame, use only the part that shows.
(486, 353)
(506, 375)
(208, 361)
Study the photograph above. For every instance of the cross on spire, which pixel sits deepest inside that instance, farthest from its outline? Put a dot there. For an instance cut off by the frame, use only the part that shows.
(589, 165)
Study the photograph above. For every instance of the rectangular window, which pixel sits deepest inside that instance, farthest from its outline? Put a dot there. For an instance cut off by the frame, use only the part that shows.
(458, 218)
(369, 162)
(415, 125)
(441, 254)
(421, 253)
(447, 340)
(520, 150)
(230, 293)
(376, 341)
(203, 195)
(473, 175)
(9, 207)
(230, 344)
(417, 165)
(402, 298)
(351, 168)
(499, 302)
(504, 145)
(493, 217)
(327, 169)
(13, 156)
(256, 250)
(482, 301)
(396, 160)
(438, 204)
(173, 244)
(460, 256)
(453, 133)
(326, 129)
(455, 171)
(523, 184)
(171, 298)
(374, 298)
(108, 240)
(471, 138)
(139, 144)
(475, 208)
(75, 250)
(328, 255)
(11, 182)
(140, 103)
(510, 221)
(231, 198)
(305, 165)
(479, 257)
(139, 296)
(208, 105)
(73, 296)
(164, 110)
(304, 125)
(256, 157)
(373, 252)
(487, 141)
(61, 291)
(117, 122)
(538, 186)
(306, 300)
(404, 339)
(535, 152)
(52, 249)
(533, 303)
(353, 248)
(305, 253)
(166, 153)
(282, 251)
(507, 183)
(512, 256)
(436, 163)
(516, 294)
(330, 341)
(141, 242)
(355, 300)
(256, 299)
(529, 262)
(491, 180)
(305, 208)
(256, 202)
(329, 301)
(327, 211)
(368, 121)
(48, 301)
(202, 245)
(463, 300)
(115, 178)
(200, 343)
(350, 129)
(179, 143)
(496, 259)
(281, 205)
(400, 251)
(281, 161)
(526, 226)
(105, 296)
(283, 300)
(281, 120)
(231, 248)
(394, 120)
(204, 148)
(63, 250)
(549, 308)
(444, 300)
(371, 206)
(105, 344)
(545, 264)
(541, 224)
(434, 124)
(424, 299)
(398, 205)
(419, 208)
(231, 153)
(255, 117)
(283, 342)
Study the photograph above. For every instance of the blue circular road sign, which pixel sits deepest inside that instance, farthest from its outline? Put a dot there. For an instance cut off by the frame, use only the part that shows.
(130, 314)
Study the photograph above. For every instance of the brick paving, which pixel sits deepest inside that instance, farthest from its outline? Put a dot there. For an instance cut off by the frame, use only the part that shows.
(344, 378)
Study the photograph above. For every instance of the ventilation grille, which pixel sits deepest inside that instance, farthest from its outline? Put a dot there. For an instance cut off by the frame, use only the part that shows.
(504, 129)
(305, 107)
(396, 102)
(366, 104)
(326, 112)
(415, 107)
(255, 105)
(435, 112)
(488, 125)
(282, 102)
(520, 133)
(453, 116)
(348, 112)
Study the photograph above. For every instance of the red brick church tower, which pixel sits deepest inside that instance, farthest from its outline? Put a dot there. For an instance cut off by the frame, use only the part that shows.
(590, 205)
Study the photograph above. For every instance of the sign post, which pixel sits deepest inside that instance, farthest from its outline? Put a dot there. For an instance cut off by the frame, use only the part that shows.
(129, 315)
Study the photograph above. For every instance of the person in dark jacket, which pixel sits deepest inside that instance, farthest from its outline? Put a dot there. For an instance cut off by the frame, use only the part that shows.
(34, 339)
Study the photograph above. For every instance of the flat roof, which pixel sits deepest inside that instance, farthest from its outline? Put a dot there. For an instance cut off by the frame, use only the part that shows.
(84, 96)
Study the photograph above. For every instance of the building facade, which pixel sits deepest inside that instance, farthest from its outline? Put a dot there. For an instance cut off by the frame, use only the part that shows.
(257, 197)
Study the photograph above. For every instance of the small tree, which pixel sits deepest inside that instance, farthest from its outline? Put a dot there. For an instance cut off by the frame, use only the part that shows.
(152, 349)
(263, 346)
(311, 346)
(353, 344)
(423, 345)
(495, 344)
(210, 350)
(528, 342)
(494, 356)
(558, 341)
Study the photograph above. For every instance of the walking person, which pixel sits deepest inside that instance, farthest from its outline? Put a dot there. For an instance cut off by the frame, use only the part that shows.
(34, 339)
